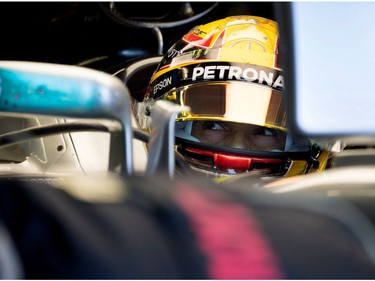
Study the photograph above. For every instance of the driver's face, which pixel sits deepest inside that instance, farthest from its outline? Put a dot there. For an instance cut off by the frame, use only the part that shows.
(239, 135)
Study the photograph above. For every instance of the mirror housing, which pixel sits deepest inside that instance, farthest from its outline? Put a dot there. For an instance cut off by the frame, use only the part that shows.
(328, 60)
(66, 91)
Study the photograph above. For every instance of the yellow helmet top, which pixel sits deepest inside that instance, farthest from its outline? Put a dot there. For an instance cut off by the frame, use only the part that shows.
(234, 60)
(243, 39)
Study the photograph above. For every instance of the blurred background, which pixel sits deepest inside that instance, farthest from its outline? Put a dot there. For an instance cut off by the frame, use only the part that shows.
(73, 32)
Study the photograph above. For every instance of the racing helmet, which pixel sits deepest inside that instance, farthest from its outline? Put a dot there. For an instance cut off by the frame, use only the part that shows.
(226, 72)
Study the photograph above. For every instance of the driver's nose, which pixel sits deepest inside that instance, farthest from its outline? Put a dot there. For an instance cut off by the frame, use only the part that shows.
(237, 139)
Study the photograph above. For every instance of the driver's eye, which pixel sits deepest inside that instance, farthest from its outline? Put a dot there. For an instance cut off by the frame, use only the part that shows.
(266, 132)
(213, 126)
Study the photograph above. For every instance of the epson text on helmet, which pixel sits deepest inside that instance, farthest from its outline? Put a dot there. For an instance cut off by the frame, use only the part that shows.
(250, 74)
(162, 84)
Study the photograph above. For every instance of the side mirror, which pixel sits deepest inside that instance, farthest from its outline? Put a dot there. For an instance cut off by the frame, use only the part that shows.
(328, 57)
(66, 91)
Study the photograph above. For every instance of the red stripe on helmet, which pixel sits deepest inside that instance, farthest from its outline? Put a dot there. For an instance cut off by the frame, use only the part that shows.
(230, 161)
(195, 40)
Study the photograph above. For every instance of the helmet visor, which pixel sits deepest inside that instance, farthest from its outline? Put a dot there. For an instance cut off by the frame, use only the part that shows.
(231, 101)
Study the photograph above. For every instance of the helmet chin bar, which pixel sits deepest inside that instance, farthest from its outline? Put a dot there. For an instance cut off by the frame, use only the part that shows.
(233, 164)
(226, 160)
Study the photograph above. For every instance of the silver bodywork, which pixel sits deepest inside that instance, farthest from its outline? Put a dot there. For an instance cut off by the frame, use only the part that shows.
(76, 152)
